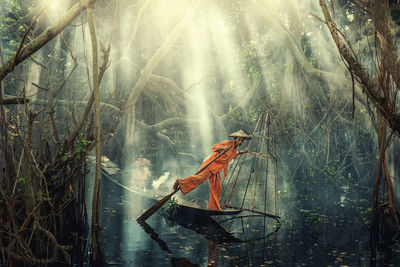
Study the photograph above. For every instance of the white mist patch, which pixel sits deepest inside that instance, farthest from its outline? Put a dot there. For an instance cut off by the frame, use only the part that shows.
(161, 180)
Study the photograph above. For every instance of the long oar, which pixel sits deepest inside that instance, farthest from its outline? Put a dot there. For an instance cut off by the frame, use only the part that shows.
(161, 202)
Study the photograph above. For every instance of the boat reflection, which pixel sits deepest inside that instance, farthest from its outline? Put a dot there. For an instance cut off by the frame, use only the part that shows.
(175, 262)
(217, 236)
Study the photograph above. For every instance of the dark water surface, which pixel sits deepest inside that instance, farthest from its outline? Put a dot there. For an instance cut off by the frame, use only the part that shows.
(308, 235)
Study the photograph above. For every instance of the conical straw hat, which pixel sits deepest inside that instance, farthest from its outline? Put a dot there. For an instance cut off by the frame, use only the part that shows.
(240, 133)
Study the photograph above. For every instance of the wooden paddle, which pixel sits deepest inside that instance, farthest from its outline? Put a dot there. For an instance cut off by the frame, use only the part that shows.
(161, 202)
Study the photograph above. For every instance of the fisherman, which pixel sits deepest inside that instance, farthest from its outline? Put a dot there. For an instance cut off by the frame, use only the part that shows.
(230, 150)
(141, 177)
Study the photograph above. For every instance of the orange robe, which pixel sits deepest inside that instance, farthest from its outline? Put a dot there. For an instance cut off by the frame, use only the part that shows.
(212, 173)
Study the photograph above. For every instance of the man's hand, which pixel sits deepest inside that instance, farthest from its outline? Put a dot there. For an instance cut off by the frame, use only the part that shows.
(225, 148)
(243, 151)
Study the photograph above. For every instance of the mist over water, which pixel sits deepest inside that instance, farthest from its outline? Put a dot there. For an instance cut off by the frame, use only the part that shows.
(198, 71)
(224, 48)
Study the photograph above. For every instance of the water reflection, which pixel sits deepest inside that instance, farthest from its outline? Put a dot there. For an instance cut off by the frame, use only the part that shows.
(308, 237)
(213, 255)
(176, 262)
(215, 235)
(204, 226)
(343, 195)
(250, 228)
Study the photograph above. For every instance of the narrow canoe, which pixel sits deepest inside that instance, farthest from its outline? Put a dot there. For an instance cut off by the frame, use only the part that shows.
(186, 208)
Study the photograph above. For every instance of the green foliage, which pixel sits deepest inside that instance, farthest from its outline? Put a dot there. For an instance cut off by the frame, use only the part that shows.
(243, 119)
(251, 62)
(331, 171)
(65, 157)
(12, 24)
(22, 181)
(16, 5)
(255, 58)
(82, 144)
(171, 207)
(43, 197)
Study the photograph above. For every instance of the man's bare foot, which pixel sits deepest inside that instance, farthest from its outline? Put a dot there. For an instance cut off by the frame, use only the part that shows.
(176, 185)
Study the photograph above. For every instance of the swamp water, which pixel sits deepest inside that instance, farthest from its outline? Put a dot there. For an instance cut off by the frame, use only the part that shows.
(306, 237)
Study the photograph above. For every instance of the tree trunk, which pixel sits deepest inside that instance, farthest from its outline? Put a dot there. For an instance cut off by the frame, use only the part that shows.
(97, 249)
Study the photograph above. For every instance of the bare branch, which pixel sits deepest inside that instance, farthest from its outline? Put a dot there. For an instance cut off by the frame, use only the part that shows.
(43, 38)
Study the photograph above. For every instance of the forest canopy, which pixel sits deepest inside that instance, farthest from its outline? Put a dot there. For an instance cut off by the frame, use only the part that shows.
(164, 80)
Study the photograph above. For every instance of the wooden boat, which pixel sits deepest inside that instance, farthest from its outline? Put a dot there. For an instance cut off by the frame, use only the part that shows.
(190, 215)
(185, 208)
